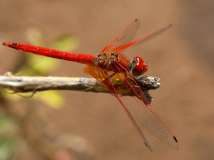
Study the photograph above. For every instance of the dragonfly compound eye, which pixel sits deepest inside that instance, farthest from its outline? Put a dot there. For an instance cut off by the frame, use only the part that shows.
(137, 66)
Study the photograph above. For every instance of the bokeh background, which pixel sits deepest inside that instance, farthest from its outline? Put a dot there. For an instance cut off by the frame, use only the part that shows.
(181, 57)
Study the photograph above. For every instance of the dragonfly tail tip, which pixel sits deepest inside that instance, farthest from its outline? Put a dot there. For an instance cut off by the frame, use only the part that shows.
(4, 43)
(9, 44)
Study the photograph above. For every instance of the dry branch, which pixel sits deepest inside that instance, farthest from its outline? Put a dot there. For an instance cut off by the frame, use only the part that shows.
(36, 83)
(34, 127)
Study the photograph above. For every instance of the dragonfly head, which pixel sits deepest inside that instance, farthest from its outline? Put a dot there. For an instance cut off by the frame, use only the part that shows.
(137, 66)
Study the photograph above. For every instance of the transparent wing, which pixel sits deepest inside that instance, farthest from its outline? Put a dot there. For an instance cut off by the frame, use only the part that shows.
(144, 119)
(139, 41)
(156, 130)
(125, 36)
(140, 130)
(128, 33)
(125, 39)
(103, 76)
(148, 119)
(149, 125)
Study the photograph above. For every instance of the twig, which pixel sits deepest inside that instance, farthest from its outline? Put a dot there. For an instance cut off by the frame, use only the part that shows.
(37, 83)
(34, 127)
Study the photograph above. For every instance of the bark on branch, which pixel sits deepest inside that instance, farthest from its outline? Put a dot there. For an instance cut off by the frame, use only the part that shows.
(37, 83)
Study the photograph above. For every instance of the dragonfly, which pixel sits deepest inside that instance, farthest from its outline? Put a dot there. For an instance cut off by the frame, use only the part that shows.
(110, 66)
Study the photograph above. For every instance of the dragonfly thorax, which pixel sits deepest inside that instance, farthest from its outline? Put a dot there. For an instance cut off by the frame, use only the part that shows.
(107, 60)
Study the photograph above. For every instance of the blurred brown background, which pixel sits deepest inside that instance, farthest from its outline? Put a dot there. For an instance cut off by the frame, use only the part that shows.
(182, 57)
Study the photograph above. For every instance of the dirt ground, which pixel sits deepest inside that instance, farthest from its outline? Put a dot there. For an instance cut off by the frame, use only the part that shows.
(182, 57)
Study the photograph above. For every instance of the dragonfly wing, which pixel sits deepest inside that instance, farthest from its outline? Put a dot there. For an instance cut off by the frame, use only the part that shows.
(125, 36)
(111, 88)
(103, 76)
(139, 41)
(96, 72)
(151, 121)
(145, 120)
(128, 33)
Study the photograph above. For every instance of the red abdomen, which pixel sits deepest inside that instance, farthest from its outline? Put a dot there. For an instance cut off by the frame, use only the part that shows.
(70, 56)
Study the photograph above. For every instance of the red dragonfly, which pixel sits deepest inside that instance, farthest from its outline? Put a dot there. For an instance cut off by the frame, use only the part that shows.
(111, 64)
